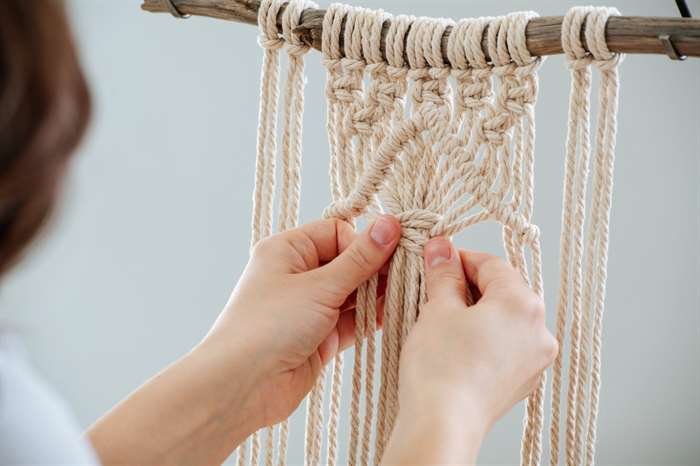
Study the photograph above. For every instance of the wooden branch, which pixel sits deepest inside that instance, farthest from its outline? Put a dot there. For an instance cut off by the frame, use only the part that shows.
(625, 34)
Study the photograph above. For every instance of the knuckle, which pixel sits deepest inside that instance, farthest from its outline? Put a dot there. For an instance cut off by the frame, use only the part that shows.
(304, 250)
(492, 265)
(264, 247)
(360, 258)
(535, 306)
(527, 303)
(449, 276)
(551, 348)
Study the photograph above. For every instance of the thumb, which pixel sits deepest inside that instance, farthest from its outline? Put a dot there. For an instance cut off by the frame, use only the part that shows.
(364, 257)
(444, 275)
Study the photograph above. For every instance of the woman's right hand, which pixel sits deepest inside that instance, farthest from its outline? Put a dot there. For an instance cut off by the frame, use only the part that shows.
(471, 364)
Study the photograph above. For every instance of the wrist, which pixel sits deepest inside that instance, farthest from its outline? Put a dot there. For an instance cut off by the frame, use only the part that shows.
(435, 433)
(457, 416)
(230, 377)
(195, 411)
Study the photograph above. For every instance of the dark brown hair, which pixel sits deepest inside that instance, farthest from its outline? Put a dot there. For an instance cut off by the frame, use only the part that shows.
(44, 110)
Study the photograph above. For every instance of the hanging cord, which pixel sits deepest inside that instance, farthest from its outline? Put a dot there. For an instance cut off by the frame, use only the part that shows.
(587, 277)
(599, 231)
(264, 190)
(291, 159)
(575, 175)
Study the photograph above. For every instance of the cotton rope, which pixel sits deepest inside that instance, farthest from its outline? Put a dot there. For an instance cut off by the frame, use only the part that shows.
(441, 145)
(291, 151)
(582, 285)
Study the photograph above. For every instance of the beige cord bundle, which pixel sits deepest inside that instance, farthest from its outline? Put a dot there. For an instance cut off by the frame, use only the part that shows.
(456, 150)
(460, 155)
(264, 191)
(582, 283)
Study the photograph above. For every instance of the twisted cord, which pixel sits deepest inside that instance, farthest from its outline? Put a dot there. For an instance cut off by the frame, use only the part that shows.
(608, 64)
(371, 329)
(263, 192)
(578, 117)
(580, 76)
(263, 199)
(587, 278)
(291, 161)
(360, 318)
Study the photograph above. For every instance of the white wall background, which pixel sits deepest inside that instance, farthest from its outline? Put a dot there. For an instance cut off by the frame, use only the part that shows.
(154, 227)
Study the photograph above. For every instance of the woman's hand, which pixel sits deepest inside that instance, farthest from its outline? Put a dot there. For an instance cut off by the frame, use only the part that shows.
(293, 308)
(463, 367)
(290, 313)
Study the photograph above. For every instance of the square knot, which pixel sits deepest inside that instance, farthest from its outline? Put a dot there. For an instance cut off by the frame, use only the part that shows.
(493, 129)
(417, 228)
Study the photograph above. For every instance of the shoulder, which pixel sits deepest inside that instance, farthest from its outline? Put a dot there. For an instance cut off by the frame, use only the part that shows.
(36, 426)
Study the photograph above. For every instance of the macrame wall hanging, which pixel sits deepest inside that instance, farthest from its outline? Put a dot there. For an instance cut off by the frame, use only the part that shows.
(442, 143)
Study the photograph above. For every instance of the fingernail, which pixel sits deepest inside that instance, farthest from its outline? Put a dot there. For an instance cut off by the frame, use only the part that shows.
(437, 251)
(384, 230)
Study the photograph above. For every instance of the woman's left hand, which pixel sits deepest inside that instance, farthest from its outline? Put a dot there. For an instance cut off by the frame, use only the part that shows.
(293, 308)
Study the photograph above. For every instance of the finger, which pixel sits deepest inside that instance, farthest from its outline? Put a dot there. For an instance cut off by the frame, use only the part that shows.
(363, 258)
(329, 347)
(306, 247)
(489, 272)
(444, 275)
(349, 303)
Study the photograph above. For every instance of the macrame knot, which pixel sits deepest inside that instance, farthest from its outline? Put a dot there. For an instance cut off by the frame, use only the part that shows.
(361, 119)
(493, 129)
(346, 86)
(578, 64)
(342, 209)
(474, 88)
(270, 38)
(610, 64)
(416, 228)
(377, 70)
(298, 50)
(526, 231)
(428, 89)
(519, 96)
(271, 44)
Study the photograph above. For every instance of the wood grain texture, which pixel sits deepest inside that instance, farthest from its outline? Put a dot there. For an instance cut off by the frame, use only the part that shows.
(624, 34)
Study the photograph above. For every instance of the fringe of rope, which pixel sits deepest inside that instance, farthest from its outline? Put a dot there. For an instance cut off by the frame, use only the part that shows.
(291, 151)
(582, 285)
